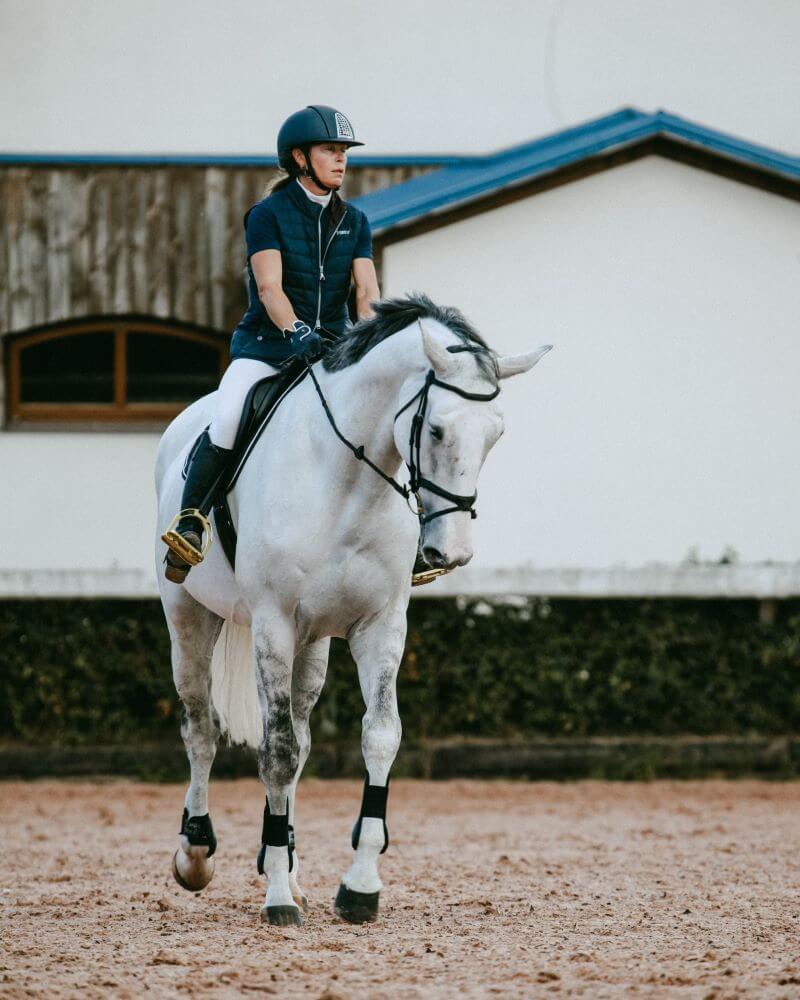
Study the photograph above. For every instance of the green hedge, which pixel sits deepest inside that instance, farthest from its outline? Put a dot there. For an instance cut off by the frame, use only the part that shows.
(97, 672)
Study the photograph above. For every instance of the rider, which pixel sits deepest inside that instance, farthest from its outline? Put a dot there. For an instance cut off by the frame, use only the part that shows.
(304, 244)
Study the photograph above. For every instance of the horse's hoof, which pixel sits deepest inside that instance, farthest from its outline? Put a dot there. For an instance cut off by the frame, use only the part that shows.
(356, 907)
(281, 916)
(192, 874)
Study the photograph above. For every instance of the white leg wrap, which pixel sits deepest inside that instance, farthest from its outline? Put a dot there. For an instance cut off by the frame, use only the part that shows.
(276, 865)
(362, 875)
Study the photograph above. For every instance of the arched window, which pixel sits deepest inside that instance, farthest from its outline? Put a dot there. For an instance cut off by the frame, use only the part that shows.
(115, 368)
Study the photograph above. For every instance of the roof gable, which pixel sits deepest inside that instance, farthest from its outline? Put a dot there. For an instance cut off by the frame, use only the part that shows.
(481, 177)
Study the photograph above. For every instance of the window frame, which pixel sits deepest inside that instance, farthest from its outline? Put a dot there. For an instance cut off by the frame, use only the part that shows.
(119, 410)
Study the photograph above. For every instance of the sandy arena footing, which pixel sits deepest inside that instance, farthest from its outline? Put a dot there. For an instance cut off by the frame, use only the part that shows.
(491, 889)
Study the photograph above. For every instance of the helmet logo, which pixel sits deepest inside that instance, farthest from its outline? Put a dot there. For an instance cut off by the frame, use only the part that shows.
(344, 130)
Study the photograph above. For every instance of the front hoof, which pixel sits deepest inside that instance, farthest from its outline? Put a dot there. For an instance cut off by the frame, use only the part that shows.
(356, 907)
(192, 874)
(281, 916)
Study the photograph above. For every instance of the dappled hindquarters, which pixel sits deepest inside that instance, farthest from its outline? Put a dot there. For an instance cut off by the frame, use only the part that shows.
(491, 888)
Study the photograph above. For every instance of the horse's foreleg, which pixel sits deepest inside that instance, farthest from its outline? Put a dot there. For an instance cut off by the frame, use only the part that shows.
(278, 760)
(377, 649)
(193, 633)
(308, 678)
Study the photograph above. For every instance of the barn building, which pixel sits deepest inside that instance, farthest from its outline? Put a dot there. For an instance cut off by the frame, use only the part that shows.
(121, 280)
(653, 452)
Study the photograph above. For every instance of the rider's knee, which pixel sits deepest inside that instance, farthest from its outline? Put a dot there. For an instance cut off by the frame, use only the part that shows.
(224, 426)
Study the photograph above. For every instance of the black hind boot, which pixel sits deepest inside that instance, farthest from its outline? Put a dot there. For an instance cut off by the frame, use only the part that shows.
(184, 537)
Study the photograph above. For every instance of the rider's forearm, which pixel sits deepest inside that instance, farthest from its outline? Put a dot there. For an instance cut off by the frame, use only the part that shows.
(279, 308)
(365, 296)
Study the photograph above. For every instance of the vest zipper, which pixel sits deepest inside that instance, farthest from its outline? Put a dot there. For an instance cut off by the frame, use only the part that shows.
(321, 259)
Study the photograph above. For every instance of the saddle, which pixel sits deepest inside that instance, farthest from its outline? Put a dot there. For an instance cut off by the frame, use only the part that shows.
(260, 405)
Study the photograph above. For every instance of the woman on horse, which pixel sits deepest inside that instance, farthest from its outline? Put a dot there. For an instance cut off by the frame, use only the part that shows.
(304, 246)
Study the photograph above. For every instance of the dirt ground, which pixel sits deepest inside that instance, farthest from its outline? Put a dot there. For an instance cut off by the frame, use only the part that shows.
(491, 889)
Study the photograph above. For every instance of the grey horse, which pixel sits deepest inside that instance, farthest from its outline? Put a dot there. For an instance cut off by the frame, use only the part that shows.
(326, 548)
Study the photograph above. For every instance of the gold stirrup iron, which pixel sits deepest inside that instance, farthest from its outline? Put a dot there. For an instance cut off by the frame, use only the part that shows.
(427, 576)
(178, 543)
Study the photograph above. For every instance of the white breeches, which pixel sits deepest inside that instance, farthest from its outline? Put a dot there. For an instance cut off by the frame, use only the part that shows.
(240, 376)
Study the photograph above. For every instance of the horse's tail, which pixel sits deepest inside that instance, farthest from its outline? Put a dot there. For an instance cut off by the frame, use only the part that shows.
(233, 685)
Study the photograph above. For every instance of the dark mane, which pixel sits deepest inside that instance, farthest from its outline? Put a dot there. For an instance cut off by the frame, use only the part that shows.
(392, 315)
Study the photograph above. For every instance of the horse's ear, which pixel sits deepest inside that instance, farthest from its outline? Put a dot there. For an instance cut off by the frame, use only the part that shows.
(517, 363)
(444, 363)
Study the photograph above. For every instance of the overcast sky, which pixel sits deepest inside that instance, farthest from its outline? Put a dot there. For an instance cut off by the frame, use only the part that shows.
(421, 76)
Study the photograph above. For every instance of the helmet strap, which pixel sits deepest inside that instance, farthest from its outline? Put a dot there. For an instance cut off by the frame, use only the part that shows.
(309, 171)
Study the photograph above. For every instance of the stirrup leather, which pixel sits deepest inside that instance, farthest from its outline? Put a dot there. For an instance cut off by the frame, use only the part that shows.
(427, 576)
(178, 543)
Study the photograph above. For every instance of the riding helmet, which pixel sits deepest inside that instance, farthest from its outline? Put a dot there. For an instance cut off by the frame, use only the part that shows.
(316, 123)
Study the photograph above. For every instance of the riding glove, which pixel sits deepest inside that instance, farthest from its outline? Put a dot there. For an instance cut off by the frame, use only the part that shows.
(305, 343)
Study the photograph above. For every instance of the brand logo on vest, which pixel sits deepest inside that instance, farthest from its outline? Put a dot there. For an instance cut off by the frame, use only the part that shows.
(342, 232)
(344, 130)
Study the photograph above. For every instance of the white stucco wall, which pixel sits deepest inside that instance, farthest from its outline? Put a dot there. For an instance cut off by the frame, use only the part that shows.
(664, 425)
(202, 76)
(78, 511)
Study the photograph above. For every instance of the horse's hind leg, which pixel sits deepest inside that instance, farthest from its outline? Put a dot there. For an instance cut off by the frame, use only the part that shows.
(377, 648)
(193, 633)
(308, 678)
(278, 758)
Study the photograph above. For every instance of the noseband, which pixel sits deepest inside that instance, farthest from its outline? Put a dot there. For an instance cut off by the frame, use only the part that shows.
(417, 481)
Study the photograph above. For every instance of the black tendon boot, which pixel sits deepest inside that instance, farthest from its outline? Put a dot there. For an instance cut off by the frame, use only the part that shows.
(184, 537)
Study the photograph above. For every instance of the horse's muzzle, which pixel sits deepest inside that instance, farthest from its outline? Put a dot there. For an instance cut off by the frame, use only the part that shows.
(443, 560)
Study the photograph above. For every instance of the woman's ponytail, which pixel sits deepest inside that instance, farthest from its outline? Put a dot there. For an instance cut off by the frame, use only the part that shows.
(286, 174)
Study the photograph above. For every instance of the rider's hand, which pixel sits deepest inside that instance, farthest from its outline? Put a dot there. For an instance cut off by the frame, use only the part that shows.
(304, 341)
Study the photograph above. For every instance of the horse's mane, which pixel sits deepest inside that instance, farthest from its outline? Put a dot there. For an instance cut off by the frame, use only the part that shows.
(392, 315)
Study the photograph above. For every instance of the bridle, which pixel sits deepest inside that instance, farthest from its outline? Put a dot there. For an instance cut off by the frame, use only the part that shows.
(417, 481)
(461, 502)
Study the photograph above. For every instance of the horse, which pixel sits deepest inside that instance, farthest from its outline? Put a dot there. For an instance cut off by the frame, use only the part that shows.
(325, 549)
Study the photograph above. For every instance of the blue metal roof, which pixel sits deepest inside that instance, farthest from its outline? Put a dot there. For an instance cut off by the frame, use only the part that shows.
(478, 177)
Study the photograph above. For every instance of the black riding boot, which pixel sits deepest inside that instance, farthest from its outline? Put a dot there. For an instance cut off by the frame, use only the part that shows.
(185, 540)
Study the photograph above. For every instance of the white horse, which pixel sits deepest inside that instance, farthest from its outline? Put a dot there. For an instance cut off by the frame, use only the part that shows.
(326, 548)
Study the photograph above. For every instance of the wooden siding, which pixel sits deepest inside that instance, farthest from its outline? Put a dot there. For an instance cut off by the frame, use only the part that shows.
(164, 241)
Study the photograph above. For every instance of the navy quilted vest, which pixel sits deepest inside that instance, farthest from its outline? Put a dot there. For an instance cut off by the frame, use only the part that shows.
(317, 264)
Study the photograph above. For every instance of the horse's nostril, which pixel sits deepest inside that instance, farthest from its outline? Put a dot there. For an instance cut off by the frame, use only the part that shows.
(433, 557)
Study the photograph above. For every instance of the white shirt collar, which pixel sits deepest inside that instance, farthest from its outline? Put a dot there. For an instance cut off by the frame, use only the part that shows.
(320, 199)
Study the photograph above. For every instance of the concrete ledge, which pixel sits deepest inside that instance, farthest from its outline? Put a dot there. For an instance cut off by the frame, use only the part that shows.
(624, 759)
(746, 580)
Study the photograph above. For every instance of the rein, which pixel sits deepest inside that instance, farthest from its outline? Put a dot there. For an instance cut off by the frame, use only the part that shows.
(460, 502)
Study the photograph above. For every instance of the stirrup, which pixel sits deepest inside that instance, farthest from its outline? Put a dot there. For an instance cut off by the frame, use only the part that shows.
(428, 576)
(178, 544)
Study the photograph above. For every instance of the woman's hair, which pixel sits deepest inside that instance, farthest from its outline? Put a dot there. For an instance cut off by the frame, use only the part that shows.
(280, 181)
(285, 177)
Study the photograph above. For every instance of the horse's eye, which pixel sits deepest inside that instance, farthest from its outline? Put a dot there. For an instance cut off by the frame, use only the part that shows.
(436, 432)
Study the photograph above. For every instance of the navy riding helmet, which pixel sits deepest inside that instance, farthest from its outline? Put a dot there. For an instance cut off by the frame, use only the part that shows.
(314, 124)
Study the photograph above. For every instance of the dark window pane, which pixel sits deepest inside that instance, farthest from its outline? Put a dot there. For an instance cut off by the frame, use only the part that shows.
(163, 369)
(77, 369)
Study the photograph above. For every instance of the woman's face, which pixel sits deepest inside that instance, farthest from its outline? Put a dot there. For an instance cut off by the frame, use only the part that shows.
(329, 160)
